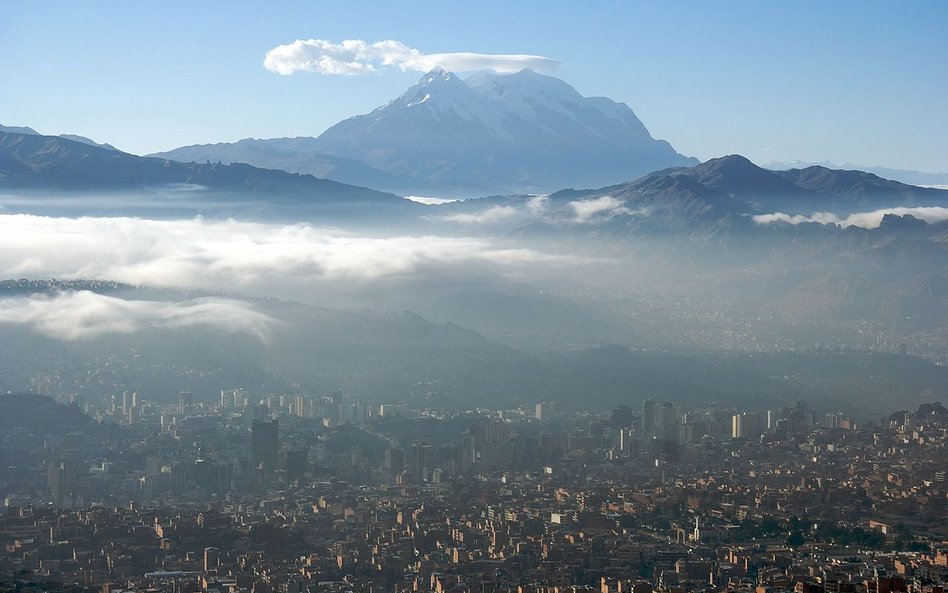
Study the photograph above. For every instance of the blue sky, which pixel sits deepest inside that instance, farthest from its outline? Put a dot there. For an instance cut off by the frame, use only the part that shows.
(848, 81)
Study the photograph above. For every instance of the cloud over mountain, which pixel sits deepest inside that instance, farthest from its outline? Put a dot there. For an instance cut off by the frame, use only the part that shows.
(79, 315)
(866, 220)
(355, 57)
(606, 206)
(219, 254)
(491, 215)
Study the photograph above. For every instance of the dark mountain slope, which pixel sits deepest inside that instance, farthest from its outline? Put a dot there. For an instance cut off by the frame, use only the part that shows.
(297, 155)
(858, 186)
(720, 195)
(33, 162)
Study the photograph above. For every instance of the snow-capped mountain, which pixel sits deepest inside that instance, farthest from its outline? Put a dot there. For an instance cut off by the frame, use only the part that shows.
(501, 133)
(550, 103)
(491, 133)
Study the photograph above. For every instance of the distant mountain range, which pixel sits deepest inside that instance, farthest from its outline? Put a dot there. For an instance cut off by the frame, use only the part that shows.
(684, 236)
(73, 137)
(489, 134)
(58, 164)
(720, 191)
(297, 155)
(908, 176)
(795, 191)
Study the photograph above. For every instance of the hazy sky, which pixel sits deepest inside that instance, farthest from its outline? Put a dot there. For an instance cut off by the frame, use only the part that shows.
(847, 81)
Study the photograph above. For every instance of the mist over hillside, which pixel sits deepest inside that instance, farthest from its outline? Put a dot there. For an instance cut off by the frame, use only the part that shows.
(396, 358)
(328, 297)
(713, 282)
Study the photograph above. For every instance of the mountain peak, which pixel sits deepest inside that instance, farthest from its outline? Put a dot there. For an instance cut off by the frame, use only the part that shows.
(437, 75)
(525, 132)
(737, 173)
(525, 73)
(19, 130)
(73, 137)
(730, 161)
(524, 83)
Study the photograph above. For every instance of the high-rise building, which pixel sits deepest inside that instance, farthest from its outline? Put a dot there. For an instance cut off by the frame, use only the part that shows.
(184, 402)
(259, 411)
(56, 478)
(393, 410)
(235, 398)
(295, 462)
(420, 458)
(468, 455)
(669, 419)
(833, 420)
(737, 426)
(624, 417)
(394, 461)
(545, 410)
(211, 558)
(624, 442)
(649, 416)
(301, 407)
(264, 445)
(748, 425)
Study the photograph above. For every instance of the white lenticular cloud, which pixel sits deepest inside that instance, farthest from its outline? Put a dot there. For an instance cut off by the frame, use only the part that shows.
(79, 315)
(866, 220)
(353, 57)
(607, 206)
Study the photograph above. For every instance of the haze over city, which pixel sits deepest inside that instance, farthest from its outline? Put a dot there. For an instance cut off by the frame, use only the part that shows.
(522, 297)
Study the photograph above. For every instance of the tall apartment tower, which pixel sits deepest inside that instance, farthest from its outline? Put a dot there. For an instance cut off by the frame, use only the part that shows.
(264, 445)
(419, 460)
(545, 410)
(649, 416)
(211, 559)
(737, 426)
(185, 399)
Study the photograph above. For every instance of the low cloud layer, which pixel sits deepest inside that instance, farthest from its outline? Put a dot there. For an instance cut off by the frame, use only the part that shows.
(866, 220)
(537, 205)
(605, 206)
(491, 215)
(540, 208)
(79, 315)
(228, 255)
(354, 57)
